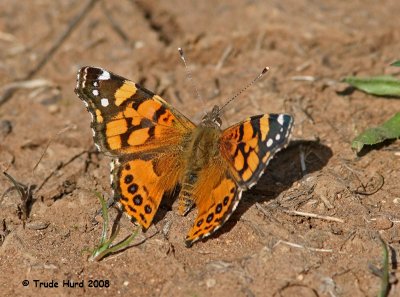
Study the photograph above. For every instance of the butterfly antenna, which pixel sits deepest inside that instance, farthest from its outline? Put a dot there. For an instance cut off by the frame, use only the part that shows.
(265, 70)
(189, 75)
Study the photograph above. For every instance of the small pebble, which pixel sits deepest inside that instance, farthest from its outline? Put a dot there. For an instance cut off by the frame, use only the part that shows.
(38, 225)
(383, 223)
(53, 109)
(210, 282)
(300, 277)
(50, 266)
(5, 127)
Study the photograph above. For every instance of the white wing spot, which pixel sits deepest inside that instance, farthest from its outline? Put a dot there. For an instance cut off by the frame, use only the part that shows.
(84, 78)
(236, 203)
(104, 76)
(280, 119)
(269, 142)
(95, 84)
(277, 137)
(104, 102)
(281, 130)
(95, 92)
(78, 77)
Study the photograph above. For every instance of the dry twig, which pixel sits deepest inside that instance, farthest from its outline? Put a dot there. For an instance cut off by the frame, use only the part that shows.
(314, 215)
(25, 193)
(296, 245)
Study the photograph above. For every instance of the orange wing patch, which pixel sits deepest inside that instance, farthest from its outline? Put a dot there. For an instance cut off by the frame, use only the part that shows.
(126, 91)
(143, 126)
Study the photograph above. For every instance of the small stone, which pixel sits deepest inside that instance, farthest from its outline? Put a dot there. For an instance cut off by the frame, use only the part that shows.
(383, 223)
(5, 127)
(38, 225)
(211, 283)
(50, 266)
(139, 44)
(300, 277)
(126, 283)
(396, 200)
(53, 109)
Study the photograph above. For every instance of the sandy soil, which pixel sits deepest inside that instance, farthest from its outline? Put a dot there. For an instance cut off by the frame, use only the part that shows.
(265, 249)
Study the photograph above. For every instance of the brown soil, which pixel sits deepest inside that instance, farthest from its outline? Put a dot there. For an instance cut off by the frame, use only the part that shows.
(264, 249)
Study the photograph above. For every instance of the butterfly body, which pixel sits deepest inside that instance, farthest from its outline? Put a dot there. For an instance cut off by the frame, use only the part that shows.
(155, 148)
(202, 151)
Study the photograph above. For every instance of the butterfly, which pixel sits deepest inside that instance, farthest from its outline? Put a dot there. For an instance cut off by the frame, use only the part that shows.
(156, 150)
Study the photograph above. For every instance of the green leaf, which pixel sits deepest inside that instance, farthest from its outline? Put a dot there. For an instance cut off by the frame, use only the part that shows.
(397, 63)
(384, 272)
(388, 130)
(385, 285)
(376, 85)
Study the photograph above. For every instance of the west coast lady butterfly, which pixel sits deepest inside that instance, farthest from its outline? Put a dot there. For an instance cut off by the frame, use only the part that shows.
(155, 148)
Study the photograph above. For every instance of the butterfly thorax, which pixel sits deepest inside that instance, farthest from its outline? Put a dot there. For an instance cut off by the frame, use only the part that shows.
(212, 119)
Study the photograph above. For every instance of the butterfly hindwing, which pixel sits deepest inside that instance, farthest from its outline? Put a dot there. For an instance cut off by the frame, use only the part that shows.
(248, 146)
(141, 183)
(216, 196)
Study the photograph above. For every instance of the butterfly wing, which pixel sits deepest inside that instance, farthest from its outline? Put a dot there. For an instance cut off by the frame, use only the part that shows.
(141, 131)
(245, 150)
(140, 183)
(127, 118)
(249, 146)
(216, 195)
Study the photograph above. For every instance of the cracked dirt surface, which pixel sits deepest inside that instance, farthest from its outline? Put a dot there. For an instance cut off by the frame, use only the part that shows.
(269, 247)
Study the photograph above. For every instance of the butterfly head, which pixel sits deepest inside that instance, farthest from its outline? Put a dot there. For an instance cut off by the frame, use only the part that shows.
(212, 119)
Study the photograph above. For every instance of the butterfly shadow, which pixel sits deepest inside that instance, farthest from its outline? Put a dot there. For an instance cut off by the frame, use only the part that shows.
(282, 172)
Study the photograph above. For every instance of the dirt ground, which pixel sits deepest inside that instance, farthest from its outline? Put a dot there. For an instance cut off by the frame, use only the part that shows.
(271, 246)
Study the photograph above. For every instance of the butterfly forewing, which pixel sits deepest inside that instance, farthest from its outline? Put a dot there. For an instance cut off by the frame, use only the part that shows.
(128, 118)
(248, 146)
